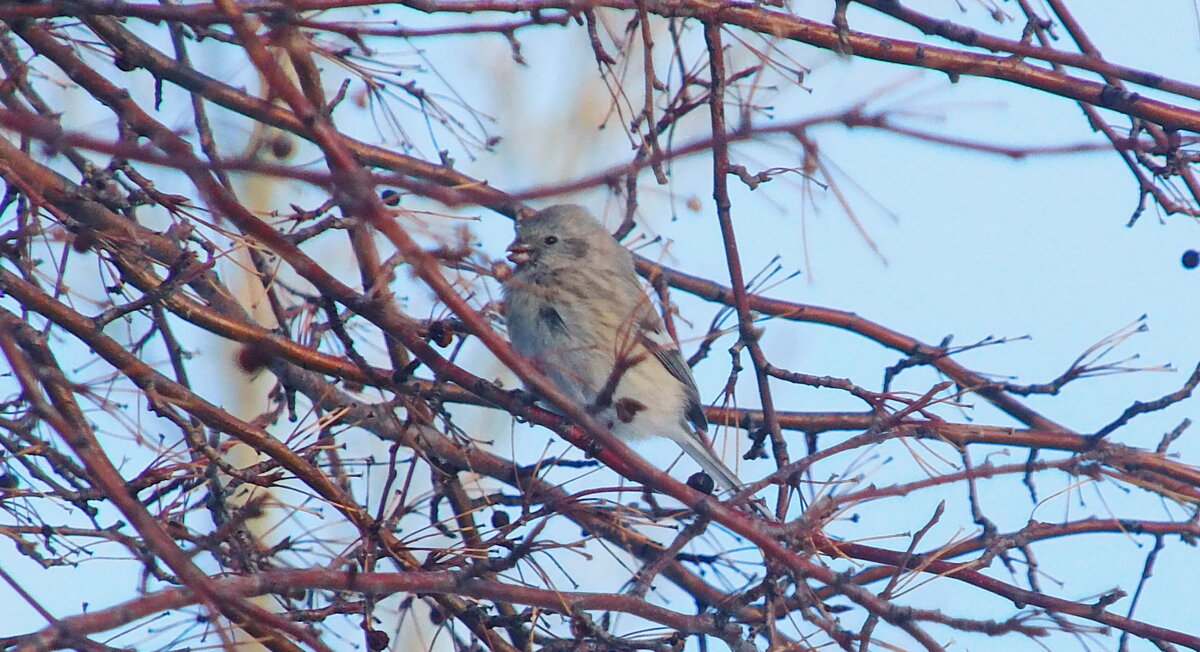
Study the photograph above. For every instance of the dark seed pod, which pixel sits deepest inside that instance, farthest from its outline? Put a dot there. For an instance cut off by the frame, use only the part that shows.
(252, 358)
(500, 519)
(377, 640)
(282, 147)
(1191, 258)
(702, 482)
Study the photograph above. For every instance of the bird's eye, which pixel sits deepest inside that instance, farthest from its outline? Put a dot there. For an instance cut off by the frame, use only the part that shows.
(550, 239)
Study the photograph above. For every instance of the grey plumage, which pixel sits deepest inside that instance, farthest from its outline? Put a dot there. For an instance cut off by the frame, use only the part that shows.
(576, 308)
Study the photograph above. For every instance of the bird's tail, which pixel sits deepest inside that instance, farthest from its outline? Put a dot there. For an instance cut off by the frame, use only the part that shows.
(696, 448)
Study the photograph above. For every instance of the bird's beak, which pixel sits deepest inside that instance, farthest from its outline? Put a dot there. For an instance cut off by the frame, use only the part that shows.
(519, 253)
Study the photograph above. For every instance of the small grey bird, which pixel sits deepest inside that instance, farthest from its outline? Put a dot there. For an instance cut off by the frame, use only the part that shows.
(575, 307)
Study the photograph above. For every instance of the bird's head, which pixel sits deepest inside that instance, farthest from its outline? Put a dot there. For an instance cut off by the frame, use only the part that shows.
(559, 236)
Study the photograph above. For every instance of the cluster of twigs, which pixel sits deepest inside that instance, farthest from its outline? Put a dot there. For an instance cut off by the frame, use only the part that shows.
(114, 446)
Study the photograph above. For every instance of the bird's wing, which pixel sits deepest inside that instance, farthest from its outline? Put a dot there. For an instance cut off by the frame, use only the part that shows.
(653, 335)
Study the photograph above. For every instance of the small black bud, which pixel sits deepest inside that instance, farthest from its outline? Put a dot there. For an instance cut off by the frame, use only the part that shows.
(441, 333)
(282, 147)
(1191, 258)
(702, 482)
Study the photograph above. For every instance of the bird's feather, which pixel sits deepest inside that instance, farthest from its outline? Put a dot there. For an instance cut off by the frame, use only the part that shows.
(666, 351)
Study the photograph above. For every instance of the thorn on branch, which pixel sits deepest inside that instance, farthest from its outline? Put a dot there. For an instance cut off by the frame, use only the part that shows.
(337, 97)
(751, 180)
(1107, 600)
(515, 46)
(1170, 437)
(1140, 407)
(1088, 363)
(758, 449)
(404, 373)
(916, 359)
(602, 57)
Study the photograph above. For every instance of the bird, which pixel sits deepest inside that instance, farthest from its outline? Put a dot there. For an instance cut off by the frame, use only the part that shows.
(575, 308)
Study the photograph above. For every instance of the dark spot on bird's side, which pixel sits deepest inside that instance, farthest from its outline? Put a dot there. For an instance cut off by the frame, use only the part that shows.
(627, 408)
(551, 319)
(575, 247)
